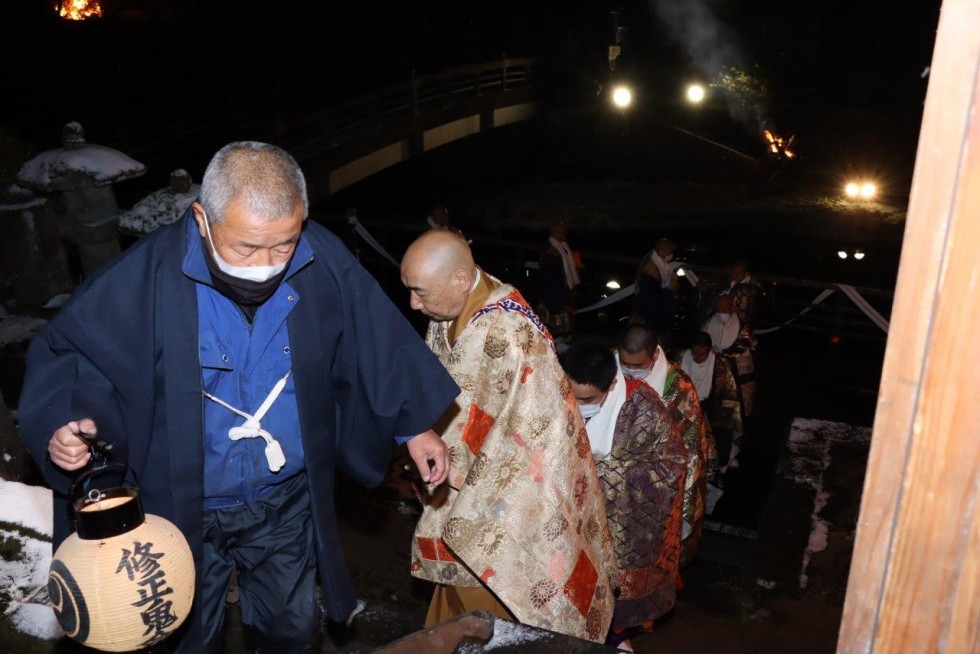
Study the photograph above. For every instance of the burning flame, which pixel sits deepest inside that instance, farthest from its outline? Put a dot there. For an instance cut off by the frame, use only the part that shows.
(79, 9)
(778, 146)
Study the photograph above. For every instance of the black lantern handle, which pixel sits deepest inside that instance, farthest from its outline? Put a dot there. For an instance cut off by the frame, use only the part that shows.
(100, 448)
(105, 501)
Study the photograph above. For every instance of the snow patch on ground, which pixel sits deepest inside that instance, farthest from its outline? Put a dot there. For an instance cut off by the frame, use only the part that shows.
(507, 634)
(37, 620)
(24, 575)
(29, 506)
(810, 443)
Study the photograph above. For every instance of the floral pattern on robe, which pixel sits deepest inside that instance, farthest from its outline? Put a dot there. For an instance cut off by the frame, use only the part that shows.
(522, 512)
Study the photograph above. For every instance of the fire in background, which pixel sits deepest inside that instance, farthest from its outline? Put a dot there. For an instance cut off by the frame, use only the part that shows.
(78, 9)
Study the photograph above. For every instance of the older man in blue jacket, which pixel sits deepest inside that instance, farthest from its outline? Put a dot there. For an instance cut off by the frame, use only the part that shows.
(237, 359)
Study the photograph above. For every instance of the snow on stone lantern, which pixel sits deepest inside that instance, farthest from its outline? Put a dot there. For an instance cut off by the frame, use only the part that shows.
(77, 178)
(33, 257)
(161, 207)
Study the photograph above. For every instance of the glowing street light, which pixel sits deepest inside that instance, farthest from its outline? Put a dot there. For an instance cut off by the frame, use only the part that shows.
(622, 97)
(861, 190)
(842, 254)
(695, 93)
(858, 254)
(613, 285)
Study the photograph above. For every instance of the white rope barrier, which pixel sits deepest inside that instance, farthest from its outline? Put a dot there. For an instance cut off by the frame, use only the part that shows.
(612, 299)
(863, 305)
(677, 266)
(824, 294)
(852, 294)
(366, 235)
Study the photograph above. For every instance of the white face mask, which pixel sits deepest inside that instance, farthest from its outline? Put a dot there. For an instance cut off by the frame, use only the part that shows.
(635, 373)
(723, 317)
(589, 410)
(668, 258)
(248, 273)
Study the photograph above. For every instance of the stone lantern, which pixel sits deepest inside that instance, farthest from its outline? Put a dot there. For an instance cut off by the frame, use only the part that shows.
(161, 207)
(77, 179)
(33, 257)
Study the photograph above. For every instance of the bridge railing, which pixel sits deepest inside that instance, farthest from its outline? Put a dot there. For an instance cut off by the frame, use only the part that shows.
(306, 123)
(415, 101)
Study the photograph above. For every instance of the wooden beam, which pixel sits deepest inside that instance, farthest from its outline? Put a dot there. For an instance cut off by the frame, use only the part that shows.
(914, 579)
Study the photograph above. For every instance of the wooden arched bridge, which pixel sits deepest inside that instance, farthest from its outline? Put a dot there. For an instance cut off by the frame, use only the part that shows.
(340, 142)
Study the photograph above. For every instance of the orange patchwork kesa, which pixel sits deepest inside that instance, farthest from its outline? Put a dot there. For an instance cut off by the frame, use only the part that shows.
(522, 512)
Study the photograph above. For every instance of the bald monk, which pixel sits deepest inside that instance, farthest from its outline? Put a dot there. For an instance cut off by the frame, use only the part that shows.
(519, 528)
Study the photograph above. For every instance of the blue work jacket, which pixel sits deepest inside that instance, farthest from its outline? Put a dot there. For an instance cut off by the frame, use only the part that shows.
(241, 362)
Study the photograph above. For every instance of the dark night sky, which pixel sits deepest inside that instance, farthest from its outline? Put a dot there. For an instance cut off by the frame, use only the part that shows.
(852, 68)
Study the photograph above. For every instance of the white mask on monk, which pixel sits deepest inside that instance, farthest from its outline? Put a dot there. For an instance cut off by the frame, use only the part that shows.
(635, 373)
(589, 410)
(723, 317)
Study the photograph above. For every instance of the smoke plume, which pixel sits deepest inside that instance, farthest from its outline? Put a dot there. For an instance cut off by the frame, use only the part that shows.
(715, 50)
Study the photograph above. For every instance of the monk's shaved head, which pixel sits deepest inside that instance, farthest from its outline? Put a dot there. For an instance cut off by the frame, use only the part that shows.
(438, 271)
(438, 251)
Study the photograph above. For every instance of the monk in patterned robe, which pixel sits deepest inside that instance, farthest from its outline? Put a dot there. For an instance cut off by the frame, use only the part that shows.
(744, 292)
(714, 379)
(641, 357)
(519, 528)
(642, 463)
(733, 338)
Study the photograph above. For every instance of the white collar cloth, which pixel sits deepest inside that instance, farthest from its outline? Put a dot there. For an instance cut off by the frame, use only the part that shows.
(723, 334)
(665, 269)
(568, 263)
(701, 374)
(657, 377)
(601, 427)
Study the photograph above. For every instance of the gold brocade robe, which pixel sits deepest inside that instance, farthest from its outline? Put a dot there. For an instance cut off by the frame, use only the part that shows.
(643, 481)
(723, 407)
(522, 511)
(741, 353)
(681, 398)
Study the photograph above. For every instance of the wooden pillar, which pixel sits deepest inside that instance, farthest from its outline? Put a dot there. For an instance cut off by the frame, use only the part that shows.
(914, 584)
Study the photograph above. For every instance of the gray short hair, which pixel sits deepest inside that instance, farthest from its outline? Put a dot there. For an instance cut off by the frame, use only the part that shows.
(264, 177)
(639, 338)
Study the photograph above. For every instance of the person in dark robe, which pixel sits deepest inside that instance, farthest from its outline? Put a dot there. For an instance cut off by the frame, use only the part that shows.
(238, 360)
(656, 291)
(558, 278)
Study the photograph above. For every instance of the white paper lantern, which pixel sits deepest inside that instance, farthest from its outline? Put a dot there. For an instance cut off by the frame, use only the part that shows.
(124, 580)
